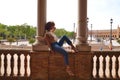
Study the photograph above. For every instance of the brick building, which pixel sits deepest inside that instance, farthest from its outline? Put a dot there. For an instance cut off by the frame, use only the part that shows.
(105, 34)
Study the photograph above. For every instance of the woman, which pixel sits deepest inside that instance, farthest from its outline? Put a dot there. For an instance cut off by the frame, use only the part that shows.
(56, 46)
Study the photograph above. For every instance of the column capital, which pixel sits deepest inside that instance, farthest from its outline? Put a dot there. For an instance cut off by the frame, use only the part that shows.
(40, 44)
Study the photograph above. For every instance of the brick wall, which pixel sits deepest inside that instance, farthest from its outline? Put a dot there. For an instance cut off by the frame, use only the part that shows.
(47, 66)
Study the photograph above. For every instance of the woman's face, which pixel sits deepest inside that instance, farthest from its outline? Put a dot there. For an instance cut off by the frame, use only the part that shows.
(53, 29)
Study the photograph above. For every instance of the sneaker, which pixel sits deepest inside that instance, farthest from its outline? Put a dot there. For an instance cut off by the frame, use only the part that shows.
(70, 73)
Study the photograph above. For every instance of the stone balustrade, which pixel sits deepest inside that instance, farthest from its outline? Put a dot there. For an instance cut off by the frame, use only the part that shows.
(30, 65)
(106, 65)
(14, 64)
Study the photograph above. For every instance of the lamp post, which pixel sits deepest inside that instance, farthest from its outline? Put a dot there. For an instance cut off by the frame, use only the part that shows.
(111, 21)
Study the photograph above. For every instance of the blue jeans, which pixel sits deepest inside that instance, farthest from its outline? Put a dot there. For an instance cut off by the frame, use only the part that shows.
(56, 46)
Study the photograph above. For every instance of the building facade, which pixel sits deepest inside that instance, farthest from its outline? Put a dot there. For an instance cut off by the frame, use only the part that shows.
(105, 34)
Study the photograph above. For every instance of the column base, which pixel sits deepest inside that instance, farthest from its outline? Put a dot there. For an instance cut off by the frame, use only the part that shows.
(83, 47)
(40, 48)
(40, 45)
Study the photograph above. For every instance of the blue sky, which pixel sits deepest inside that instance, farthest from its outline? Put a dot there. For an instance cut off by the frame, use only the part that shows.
(62, 12)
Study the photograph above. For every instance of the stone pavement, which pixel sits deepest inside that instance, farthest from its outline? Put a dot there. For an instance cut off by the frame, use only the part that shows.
(95, 46)
(102, 46)
(15, 47)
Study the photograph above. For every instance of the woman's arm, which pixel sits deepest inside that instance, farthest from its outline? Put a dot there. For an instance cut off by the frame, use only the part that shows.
(47, 39)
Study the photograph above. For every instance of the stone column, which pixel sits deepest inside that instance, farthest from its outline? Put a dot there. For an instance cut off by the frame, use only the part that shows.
(81, 38)
(41, 20)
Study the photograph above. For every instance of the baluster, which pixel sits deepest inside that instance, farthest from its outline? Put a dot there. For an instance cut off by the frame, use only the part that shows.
(113, 67)
(28, 65)
(15, 68)
(94, 66)
(8, 64)
(101, 67)
(22, 64)
(107, 69)
(2, 68)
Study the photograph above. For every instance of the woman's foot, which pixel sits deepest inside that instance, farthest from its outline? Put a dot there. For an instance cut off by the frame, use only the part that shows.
(70, 73)
(72, 46)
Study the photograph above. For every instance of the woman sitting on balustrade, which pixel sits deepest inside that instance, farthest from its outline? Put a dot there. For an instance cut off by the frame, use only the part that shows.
(56, 46)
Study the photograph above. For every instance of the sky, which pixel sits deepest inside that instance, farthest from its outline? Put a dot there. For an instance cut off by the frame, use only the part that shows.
(63, 12)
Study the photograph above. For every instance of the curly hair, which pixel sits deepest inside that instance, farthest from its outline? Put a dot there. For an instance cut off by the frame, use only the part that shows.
(49, 25)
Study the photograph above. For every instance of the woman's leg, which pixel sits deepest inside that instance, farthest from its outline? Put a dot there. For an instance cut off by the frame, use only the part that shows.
(65, 38)
(60, 50)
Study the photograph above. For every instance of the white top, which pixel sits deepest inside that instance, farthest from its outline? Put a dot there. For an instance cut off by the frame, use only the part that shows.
(54, 36)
